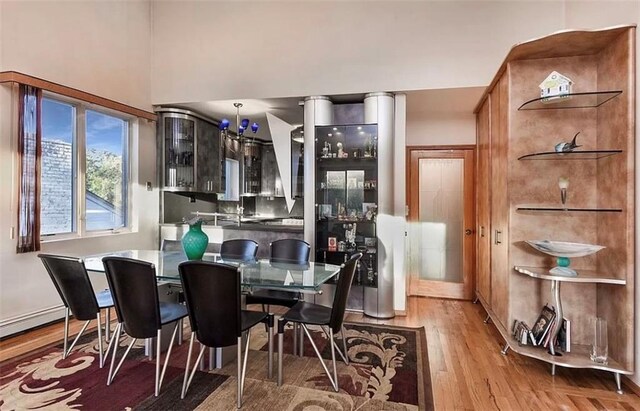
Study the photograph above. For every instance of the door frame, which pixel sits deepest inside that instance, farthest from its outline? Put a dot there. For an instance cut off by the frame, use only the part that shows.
(412, 200)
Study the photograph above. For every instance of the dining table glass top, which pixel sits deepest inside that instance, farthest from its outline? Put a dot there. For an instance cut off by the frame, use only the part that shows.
(260, 273)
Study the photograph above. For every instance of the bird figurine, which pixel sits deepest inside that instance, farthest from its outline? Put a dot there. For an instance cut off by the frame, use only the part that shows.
(567, 147)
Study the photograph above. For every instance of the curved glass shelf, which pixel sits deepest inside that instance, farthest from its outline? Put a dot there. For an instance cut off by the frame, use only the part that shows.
(573, 100)
(584, 276)
(555, 208)
(570, 155)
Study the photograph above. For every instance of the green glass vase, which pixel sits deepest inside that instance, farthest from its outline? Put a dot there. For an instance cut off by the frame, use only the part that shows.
(195, 241)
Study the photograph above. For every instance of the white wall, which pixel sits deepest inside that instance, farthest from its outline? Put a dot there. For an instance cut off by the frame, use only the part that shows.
(442, 116)
(100, 47)
(220, 50)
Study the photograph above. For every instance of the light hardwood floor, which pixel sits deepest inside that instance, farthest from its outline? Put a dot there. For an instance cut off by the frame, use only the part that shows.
(467, 369)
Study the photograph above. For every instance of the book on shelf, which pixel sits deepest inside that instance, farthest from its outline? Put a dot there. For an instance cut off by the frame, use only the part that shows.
(522, 333)
(564, 336)
(543, 324)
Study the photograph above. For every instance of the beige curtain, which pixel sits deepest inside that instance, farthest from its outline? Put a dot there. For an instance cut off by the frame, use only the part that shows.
(30, 153)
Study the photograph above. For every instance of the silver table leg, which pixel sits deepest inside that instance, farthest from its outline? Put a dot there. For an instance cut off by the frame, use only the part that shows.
(616, 375)
(488, 319)
(505, 349)
(553, 369)
(555, 289)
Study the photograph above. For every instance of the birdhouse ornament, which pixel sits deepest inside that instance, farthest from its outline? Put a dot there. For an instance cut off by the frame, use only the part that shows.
(555, 85)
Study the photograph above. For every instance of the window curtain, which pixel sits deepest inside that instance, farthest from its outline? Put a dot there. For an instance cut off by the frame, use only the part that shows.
(30, 154)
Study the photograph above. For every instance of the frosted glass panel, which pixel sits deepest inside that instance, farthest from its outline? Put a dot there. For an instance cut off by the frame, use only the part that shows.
(437, 238)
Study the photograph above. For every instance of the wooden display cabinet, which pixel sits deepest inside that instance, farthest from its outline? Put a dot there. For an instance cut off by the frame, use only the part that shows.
(519, 199)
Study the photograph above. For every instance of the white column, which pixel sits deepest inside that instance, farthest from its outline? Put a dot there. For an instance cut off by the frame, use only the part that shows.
(379, 108)
(318, 111)
(399, 207)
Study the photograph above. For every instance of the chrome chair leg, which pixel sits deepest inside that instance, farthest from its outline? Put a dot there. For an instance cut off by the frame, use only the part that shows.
(212, 356)
(180, 331)
(101, 356)
(238, 384)
(66, 333)
(333, 360)
(112, 371)
(188, 374)
(333, 342)
(344, 345)
(244, 365)
(160, 376)
(65, 350)
(334, 382)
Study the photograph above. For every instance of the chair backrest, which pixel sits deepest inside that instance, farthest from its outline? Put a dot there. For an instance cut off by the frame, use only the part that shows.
(212, 294)
(239, 249)
(70, 278)
(171, 245)
(343, 287)
(290, 250)
(135, 294)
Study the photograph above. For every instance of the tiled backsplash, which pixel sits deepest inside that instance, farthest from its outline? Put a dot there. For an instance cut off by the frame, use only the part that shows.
(177, 207)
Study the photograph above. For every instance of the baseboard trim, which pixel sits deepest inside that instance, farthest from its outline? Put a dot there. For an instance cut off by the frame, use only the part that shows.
(30, 320)
(629, 383)
(401, 313)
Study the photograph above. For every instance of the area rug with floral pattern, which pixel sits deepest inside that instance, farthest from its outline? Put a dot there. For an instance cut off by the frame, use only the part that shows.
(388, 370)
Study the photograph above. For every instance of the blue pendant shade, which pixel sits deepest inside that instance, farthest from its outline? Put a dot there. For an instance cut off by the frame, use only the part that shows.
(224, 124)
(245, 123)
(241, 130)
(254, 127)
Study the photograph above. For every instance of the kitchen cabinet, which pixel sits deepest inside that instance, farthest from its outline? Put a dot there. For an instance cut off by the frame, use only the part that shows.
(189, 152)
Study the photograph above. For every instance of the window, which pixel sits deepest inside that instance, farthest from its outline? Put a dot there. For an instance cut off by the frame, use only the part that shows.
(58, 170)
(85, 169)
(106, 171)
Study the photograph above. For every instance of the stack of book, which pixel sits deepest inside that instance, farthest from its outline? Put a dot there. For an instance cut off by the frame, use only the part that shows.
(540, 333)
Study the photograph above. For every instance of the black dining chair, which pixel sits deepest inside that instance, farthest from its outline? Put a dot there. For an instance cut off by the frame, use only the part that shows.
(239, 249)
(306, 314)
(213, 296)
(286, 251)
(72, 282)
(289, 251)
(135, 294)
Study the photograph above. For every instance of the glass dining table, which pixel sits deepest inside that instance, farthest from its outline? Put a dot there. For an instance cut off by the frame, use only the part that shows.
(255, 274)
(262, 273)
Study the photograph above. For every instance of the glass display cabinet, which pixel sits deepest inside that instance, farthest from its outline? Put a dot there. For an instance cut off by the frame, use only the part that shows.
(179, 152)
(190, 152)
(347, 200)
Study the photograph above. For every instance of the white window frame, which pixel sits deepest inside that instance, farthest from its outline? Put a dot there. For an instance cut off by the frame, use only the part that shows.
(80, 164)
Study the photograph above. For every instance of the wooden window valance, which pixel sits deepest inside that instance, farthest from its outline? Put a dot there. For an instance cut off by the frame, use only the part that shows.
(20, 78)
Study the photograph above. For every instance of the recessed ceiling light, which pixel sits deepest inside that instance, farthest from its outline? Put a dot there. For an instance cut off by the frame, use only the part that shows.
(329, 135)
(338, 133)
(359, 127)
(335, 129)
(361, 132)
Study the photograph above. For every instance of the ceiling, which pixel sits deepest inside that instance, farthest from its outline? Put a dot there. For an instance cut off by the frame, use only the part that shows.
(420, 102)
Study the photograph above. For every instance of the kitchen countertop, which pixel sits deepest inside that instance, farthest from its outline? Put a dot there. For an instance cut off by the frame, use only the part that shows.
(253, 226)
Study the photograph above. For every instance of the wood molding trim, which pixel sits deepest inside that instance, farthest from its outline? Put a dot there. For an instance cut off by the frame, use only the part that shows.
(16, 77)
